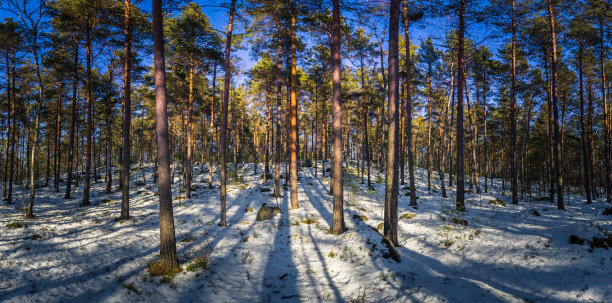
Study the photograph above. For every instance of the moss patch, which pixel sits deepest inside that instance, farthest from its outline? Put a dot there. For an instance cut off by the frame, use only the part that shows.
(497, 202)
(14, 225)
(200, 262)
(360, 217)
(160, 269)
(407, 216)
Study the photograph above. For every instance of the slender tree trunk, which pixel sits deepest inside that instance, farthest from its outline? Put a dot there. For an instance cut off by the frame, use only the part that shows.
(9, 128)
(73, 121)
(513, 160)
(293, 115)
(89, 127)
(474, 131)
(391, 190)
(109, 134)
(551, 172)
(167, 248)
(409, 143)
(57, 155)
(557, 146)
(226, 87)
(460, 159)
(484, 138)
(583, 142)
(606, 111)
(212, 126)
(127, 112)
(337, 190)
(279, 67)
(38, 102)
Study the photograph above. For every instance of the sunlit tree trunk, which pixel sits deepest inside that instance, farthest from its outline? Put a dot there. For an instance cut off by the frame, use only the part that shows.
(460, 159)
(73, 121)
(557, 145)
(127, 111)
(226, 87)
(167, 248)
(337, 191)
(391, 190)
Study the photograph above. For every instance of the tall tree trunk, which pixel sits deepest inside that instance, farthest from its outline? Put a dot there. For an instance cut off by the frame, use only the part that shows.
(268, 129)
(583, 142)
(212, 126)
(606, 131)
(408, 68)
(127, 111)
(89, 127)
(590, 137)
(226, 88)
(39, 101)
(109, 134)
(337, 190)
(391, 190)
(57, 153)
(189, 167)
(484, 138)
(364, 109)
(557, 146)
(73, 121)
(513, 160)
(167, 248)
(551, 171)
(429, 114)
(279, 67)
(9, 128)
(460, 82)
(474, 131)
(293, 113)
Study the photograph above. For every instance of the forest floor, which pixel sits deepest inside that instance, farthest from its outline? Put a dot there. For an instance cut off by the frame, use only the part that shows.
(509, 253)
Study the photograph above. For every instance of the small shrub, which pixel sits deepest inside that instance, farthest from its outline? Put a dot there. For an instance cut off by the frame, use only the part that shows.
(310, 220)
(188, 238)
(159, 269)
(360, 217)
(497, 202)
(607, 211)
(380, 226)
(199, 262)
(600, 243)
(573, 239)
(249, 210)
(331, 254)
(130, 287)
(407, 216)
(14, 225)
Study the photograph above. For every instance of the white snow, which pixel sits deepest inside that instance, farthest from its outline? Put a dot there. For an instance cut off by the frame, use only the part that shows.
(83, 254)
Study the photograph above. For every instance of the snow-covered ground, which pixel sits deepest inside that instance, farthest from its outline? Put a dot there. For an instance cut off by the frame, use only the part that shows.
(506, 253)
